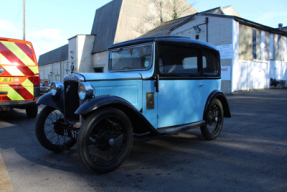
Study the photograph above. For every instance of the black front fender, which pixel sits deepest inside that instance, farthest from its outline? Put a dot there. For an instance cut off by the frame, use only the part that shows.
(216, 94)
(137, 119)
(100, 101)
(53, 101)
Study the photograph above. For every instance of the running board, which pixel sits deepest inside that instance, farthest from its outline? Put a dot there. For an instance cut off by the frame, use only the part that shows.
(176, 129)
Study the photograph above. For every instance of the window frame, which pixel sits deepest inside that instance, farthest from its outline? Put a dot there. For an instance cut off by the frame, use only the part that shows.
(129, 47)
(200, 75)
(183, 75)
(217, 57)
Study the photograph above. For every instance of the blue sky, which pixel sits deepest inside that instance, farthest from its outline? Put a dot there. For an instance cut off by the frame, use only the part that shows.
(49, 23)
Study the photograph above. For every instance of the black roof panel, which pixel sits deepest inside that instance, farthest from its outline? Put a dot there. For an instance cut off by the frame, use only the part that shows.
(165, 39)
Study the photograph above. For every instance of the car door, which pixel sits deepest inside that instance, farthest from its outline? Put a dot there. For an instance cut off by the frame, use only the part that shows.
(179, 98)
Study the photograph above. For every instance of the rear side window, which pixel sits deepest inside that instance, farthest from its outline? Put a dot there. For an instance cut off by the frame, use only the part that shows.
(210, 63)
(178, 60)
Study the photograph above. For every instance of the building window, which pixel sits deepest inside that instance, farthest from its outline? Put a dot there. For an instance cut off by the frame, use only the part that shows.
(98, 69)
(254, 43)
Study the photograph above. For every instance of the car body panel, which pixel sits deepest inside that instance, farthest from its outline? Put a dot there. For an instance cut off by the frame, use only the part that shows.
(130, 90)
(19, 73)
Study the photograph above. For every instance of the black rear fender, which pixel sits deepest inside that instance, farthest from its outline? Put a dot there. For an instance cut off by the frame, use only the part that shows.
(216, 94)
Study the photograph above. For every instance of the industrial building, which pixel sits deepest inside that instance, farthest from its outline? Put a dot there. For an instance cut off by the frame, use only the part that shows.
(251, 53)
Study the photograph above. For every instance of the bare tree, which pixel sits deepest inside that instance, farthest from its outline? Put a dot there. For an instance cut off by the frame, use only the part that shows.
(161, 11)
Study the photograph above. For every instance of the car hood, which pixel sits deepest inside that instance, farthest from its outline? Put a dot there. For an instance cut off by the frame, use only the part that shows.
(111, 76)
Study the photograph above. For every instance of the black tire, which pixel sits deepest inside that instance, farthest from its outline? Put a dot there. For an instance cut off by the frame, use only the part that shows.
(32, 111)
(214, 120)
(48, 134)
(105, 140)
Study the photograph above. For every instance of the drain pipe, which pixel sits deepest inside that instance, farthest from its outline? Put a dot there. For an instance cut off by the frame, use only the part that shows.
(206, 21)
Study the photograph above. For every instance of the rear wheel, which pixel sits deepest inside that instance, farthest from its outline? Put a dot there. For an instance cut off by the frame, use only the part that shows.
(49, 130)
(105, 140)
(32, 111)
(214, 120)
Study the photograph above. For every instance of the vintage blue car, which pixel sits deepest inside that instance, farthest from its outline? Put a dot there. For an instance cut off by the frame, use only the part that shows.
(154, 86)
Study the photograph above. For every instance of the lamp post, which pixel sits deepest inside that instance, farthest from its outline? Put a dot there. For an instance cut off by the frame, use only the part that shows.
(24, 20)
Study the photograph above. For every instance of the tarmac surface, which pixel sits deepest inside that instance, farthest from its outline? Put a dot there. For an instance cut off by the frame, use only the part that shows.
(250, 154)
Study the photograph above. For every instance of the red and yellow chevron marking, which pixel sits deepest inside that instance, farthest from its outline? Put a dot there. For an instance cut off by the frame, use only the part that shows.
(20, 66)
(17, 59)
(18, 92)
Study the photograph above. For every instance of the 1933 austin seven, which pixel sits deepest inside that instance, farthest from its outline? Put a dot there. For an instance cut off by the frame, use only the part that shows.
(154, 86)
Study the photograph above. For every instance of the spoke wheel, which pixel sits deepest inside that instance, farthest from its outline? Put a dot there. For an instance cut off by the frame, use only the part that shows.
(214, 120)
(49, 132)
(105, 140)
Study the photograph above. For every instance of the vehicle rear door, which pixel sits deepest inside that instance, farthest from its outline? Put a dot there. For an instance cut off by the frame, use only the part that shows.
(18, 70)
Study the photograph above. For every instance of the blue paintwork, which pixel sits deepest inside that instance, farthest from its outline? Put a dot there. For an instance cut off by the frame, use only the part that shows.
(130, 90)
(150, 114)
(178, 102)
(183, 101)
(111, 76)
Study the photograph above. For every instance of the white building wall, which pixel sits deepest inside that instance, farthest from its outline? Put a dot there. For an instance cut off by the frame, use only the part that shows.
(235, 76)
(256, 74)
(278, 70)
(101, 60)
(84, 49)
(271, 47)
(72, 54)
(54, 71)
(253, 75)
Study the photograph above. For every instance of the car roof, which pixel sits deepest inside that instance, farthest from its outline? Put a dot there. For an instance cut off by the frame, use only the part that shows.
(164, 39)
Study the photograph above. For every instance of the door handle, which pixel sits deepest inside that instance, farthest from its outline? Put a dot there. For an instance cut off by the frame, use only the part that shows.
(201, 84)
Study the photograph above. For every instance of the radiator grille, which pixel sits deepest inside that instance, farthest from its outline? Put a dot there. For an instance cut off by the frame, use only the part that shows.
(71, 100)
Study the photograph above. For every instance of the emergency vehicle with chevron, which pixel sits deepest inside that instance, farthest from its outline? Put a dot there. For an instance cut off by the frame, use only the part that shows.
(19, 76)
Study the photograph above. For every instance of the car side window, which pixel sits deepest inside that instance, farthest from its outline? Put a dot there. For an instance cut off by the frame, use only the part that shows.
(178, 60)
(210, 65)
(131, 58)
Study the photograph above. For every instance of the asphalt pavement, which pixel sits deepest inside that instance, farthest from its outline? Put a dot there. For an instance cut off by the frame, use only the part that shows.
(249, 155)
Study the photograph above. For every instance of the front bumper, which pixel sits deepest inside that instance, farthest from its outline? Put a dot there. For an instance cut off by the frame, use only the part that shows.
(18, 104)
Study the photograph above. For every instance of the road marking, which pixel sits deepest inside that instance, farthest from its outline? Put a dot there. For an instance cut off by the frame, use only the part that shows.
(5, 182)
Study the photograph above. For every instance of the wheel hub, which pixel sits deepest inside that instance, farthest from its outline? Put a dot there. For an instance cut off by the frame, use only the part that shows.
(212, 117)
(58, 126)
(104, 140)
(111, 142)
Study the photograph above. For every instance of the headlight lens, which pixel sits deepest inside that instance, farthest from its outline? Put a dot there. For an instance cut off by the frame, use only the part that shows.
(56, 88)
(85, 90)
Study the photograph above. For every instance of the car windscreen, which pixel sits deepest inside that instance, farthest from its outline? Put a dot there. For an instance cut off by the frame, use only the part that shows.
(131, 58)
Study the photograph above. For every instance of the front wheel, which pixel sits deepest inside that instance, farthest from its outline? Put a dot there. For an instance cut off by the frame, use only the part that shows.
(214, 120)
(105, 140)
(49, 130)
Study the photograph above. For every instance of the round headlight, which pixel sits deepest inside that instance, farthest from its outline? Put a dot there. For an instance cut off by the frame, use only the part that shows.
(56, 88)
(85, 90)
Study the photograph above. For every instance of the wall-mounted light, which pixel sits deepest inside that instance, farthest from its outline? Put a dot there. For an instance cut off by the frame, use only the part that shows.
(72, 67)
(196, 29)
(71, 51)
